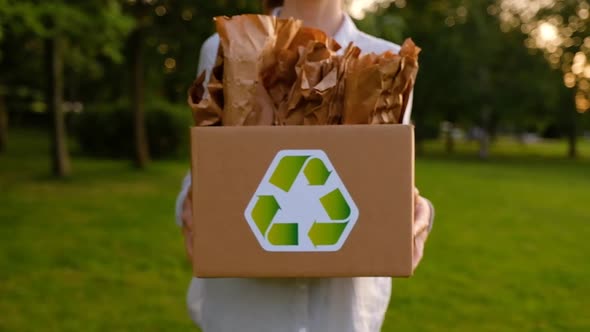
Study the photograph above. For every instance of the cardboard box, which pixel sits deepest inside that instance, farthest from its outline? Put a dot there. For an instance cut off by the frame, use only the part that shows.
(303, 201)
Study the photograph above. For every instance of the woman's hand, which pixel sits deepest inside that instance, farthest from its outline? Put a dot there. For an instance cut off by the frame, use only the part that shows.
(187, 225)
(422, 217)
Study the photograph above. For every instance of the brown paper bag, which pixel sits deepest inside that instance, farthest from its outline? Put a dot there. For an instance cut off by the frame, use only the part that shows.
(273, 71)
(207, 109)
(378, 86)
(316, 93)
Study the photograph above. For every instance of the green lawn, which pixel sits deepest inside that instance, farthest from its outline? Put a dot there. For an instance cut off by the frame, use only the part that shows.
(100, 252)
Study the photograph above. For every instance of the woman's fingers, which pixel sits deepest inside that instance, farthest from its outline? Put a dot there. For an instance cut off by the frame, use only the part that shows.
(420, 229)
(419, 241)
(421, 216)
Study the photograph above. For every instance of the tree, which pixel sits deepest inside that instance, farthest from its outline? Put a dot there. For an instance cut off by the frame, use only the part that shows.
(474, 73)
(70, 30)
(135, 46)
(559, 29)
(54, 69)
(453, 83)
(166, 39)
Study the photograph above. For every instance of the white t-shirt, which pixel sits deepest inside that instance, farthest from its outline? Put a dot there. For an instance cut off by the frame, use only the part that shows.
(298, 304)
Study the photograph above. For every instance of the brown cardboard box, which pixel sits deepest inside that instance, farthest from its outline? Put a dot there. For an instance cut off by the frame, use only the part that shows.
(303, 201)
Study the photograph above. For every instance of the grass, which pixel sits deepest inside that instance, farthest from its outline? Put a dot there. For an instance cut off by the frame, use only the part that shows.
(509, 251)
(99, 251)
(507, 148)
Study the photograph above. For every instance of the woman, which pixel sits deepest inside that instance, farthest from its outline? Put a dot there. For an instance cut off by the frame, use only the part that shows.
(299, 304)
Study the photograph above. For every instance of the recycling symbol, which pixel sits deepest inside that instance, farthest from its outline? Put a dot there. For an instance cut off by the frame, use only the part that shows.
(301, 204)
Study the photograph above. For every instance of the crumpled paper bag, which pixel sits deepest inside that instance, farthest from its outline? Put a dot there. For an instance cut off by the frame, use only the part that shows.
(274, 71)
(249, 45)
(310, 44)
(208, 108)
(378, 87)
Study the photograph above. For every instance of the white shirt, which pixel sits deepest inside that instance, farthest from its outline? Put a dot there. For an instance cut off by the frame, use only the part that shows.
(290, 305)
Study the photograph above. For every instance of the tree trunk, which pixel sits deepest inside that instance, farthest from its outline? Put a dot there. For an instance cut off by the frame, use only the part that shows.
(142, 155)
(484, 144)
(419, 147)
(60, 159)
(572, 143)
(449, 141)
(486, 129)
(3, 123)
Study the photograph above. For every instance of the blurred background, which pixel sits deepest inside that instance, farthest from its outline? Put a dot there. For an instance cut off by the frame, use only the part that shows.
(94, 144)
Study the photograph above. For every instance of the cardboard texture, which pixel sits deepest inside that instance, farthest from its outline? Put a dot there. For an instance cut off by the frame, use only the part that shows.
(374, 162)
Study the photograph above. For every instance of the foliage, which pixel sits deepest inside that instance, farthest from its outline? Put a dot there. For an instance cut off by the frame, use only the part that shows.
(93, 33)
(78, 23)
(473, 73)
(175, 31)
(560, 30)
(106, 129)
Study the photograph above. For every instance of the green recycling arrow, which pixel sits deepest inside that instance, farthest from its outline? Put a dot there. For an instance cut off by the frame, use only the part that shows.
(335, 205)
(316, 172)
(326, 233)
(286, 171)
(283, 234)
(264, 211)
